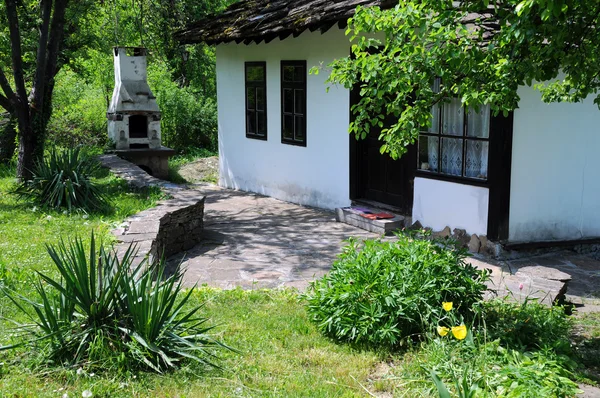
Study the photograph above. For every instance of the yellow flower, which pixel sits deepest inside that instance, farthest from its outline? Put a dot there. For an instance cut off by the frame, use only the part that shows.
(460, 332)
(442, 330)
(447, 305)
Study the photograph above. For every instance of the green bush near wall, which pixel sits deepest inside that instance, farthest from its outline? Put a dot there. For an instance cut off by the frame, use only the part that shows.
(381, 292)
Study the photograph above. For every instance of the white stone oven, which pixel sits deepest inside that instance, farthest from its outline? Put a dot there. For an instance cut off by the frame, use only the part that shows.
(133, 114)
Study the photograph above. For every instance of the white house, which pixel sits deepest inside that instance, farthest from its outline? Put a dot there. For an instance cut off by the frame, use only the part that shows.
(531, 177)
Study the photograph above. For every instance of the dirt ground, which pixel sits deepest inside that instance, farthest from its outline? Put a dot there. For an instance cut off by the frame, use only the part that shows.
(201, 170)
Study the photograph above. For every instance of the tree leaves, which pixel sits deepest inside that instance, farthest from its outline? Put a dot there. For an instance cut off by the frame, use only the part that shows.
(483, 53)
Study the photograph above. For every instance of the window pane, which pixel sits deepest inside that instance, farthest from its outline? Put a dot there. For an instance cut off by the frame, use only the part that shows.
(452, 155)
(428, 153)
(261, 123)
(299, 102)
(435, 120)
(288, 127)
(288, 100)
(251, 122)
(288, 73)
(260, 99)
(255, 73)
(251, 98)
(476, 162)
(299, 128)
(453, 120)
(299, 74)
(478, 123)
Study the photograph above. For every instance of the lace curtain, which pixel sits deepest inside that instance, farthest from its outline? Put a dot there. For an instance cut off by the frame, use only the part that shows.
(476, 156)
(478, 125)
(452, 148)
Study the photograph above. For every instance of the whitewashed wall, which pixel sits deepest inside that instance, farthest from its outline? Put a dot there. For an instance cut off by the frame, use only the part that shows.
(438, 204)
(315, 175)
(555, 188)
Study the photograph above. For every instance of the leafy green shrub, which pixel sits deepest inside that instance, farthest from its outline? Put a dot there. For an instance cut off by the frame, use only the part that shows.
(526, 326)
(383, 291)
(63, 180)
(490, 370)
(188, 119)
(105, 309)
(78, 112)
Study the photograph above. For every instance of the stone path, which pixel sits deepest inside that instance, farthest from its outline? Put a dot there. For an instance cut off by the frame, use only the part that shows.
(256, 241)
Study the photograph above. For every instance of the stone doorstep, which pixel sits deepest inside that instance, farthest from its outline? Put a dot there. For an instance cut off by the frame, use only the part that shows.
(377, 226)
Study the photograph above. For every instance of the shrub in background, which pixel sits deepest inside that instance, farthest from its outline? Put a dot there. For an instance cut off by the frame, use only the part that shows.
(106, 310)
(78, 112)
(527, 326)
(63, 179)
(380, 292)
(188, 119)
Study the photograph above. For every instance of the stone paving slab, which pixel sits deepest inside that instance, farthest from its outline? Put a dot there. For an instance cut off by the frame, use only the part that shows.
(255, 241)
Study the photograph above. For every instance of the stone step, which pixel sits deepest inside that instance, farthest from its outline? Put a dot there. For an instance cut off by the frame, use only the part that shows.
(351, 216)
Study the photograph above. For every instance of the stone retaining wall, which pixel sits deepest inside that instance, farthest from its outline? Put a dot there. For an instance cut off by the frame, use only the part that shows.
(174, 225)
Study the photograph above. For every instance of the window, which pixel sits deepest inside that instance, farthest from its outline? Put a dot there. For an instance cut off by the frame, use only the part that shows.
(293, 102)
(256, 100)
(457, 144)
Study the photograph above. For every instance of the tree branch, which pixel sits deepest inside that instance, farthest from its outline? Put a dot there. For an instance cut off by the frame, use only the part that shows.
(5, 103)
(5, 85)
(15, 44)
(40, 73)
(56, 37)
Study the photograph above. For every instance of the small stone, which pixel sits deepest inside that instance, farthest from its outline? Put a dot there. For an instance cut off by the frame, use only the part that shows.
(444, 233)
(416, 226)
(484, 243)
(474, 244)
(461, 236)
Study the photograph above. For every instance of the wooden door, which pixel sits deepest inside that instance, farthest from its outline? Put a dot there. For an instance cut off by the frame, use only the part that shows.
(379, 178)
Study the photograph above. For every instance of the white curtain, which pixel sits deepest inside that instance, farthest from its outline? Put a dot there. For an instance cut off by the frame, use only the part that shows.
(452, 149)
(478, 125)
(476, 163)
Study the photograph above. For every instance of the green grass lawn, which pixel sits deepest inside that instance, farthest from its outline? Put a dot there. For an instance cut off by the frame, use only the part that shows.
(280, 354)
(277, 352)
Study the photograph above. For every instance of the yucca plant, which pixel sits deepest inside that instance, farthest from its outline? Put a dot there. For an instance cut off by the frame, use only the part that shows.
(160, 330)
(63, 179)
(100, 297)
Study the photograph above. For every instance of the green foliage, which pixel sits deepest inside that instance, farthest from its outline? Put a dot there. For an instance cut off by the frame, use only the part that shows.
(527, 326)
(488, 370)
(105, 308)
(381, 292)
(482, 51)
(79, 112)
(63, 179)
(187, 119)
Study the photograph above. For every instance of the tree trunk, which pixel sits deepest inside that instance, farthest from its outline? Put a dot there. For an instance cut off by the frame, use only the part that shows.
(8, 135)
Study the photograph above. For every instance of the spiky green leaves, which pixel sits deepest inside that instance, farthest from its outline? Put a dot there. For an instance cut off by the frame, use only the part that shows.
(104, 306)
(63, 179)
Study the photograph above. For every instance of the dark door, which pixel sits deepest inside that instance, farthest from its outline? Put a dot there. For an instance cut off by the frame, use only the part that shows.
(379, 178)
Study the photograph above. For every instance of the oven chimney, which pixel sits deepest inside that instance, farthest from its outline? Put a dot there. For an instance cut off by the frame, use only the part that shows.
(133, 114)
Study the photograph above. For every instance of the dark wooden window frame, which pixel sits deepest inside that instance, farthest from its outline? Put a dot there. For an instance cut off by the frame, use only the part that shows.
(294, 86)
(255, 85)
(439, 175)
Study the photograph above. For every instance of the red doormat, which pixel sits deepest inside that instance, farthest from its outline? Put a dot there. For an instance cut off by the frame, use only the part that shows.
(378, 216)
